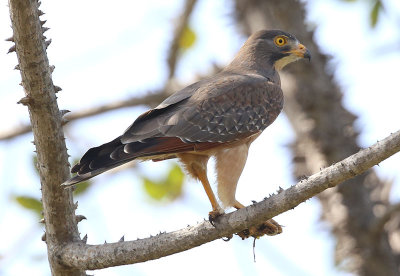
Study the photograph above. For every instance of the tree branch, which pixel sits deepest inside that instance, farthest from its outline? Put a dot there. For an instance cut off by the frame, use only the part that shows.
(179, 29)
(83, 256)
(150, 99)
(52, 157)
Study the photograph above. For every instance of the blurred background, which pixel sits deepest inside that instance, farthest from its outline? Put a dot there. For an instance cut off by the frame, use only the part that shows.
(114, 60)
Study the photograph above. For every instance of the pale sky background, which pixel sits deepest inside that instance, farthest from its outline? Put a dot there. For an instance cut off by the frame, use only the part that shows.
(103, 52)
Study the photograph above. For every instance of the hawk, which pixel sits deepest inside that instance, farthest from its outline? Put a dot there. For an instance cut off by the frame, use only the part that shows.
(219, 116)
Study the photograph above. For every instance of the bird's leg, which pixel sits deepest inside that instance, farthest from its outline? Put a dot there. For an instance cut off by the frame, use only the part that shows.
(269, 227)
(216, 209)
(196, 166)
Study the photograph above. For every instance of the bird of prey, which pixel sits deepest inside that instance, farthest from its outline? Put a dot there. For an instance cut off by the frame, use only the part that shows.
(218, 117)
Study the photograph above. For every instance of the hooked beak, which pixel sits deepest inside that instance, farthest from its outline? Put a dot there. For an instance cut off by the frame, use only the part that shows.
(301, 51)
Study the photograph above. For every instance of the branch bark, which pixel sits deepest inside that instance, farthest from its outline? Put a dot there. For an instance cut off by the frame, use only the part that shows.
(89, 257)
(52, 157)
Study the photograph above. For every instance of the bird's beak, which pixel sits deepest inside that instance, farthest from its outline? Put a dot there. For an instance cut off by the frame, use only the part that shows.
(301, 51)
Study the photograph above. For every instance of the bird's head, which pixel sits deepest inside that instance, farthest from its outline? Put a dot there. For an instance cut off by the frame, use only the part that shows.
(271, 49)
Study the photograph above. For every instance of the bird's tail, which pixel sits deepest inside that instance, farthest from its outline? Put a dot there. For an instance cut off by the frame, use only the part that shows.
(98, 160)
(113, 154)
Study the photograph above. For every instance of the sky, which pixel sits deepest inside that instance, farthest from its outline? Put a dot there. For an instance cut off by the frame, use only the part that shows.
(105, 52)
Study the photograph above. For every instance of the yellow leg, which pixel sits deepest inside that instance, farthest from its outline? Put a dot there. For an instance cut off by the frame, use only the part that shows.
(196, 165)
(202, 176)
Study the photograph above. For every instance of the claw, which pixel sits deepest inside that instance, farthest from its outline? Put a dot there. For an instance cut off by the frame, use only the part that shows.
(213, 216)
(269, 228)
(226, 239)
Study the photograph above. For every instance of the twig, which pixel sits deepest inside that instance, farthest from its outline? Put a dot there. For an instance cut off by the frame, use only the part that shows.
(83, 256)
(179, 29)
(149, 99)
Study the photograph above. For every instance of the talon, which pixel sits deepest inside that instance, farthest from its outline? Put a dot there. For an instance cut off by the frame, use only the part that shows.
(269, 228)
(213, 216)
(226, 239)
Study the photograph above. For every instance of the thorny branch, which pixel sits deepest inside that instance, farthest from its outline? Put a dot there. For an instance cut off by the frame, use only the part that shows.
(90, 257)
(40, 98)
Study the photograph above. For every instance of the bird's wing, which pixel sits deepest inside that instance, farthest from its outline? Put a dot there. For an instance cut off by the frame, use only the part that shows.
(219, 112)
(202, 118)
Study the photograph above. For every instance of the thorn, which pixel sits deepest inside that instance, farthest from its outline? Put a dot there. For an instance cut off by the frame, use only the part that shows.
(25, 100)
(122, 239)
(45, 29)
(44, 237)
(12, 49)
(79, 218)
(40, 12)
(17, 67)
(57, 88)
(39, 3)
(254, 202)
(63, 112)
(85, 239)
(11, 39)
(21, 84)
(42, 22)
(76, 205)
(48, 42)
(280, 190)
(33, 142)
(105, 242)
(42, 221)
(52, 67)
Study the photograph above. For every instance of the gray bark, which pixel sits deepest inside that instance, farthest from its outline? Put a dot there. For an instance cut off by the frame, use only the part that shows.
(83, 256)
(52, 158)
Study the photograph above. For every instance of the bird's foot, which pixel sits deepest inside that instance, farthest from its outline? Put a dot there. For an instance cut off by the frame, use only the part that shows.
(213, 216)
(269, 228)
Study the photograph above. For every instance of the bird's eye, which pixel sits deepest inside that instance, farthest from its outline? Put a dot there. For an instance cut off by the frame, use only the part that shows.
(280, 40)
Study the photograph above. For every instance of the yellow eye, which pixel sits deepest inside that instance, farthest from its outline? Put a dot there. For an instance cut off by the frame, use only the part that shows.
(280, 40)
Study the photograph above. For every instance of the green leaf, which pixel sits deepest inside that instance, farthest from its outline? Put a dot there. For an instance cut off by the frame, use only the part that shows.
(166, 189)
(30, 203)
(174, 182)
(375, 13)
(155, 190)
(187, 39)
